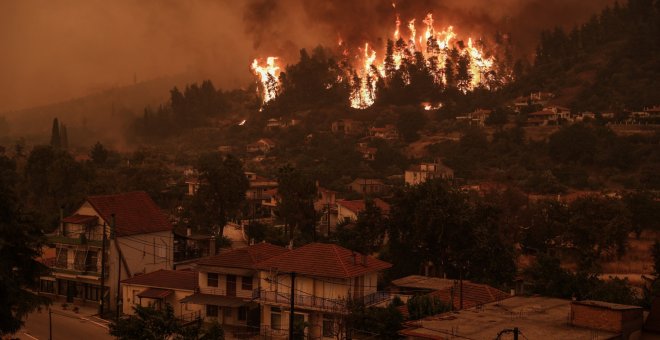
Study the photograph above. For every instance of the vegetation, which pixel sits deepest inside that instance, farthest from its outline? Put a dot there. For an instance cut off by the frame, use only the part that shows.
(421, 306)
(155, 324)
(21, 240)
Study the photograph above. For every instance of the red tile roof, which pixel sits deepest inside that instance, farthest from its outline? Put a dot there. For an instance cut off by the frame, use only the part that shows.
(357, 206)
(245, 258)
(81, 219)
(324, 260)
(135, 213)
(155, 293)
(168, 279)
(473, 294)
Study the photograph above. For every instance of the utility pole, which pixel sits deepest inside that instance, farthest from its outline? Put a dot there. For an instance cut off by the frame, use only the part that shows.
(293, 298)
(50, 324)
(117, 301)
(102, 273)
(515, 333)
(460, 277)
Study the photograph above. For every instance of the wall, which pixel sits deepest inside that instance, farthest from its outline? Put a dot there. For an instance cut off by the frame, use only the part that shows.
(129, 291)
(606, 319)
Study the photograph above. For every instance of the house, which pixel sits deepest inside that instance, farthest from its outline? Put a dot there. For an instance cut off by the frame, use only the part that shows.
(347, 127)
(388, 132)
(349, 210)
(324, 278)
(189, 246)
(138, 240)
(476, 118)
(274, 124)
(227, 284)
(368, 186)
(542, 118)
(535, 317)
(561, 112)
(534, 98)
(263, 145)
(420, 173)
(156, 289)
(259, 194)
(368, 153)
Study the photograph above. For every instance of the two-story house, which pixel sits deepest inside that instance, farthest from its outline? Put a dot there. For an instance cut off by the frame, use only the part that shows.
(368, 186)
(323, 278)
(420, 173)
(226, 284)
(138, 239)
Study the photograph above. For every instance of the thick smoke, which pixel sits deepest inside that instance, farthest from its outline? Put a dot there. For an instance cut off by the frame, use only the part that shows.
(56, 50)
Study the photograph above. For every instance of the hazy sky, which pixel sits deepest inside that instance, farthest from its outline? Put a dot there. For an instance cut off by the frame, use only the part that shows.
(52, 50)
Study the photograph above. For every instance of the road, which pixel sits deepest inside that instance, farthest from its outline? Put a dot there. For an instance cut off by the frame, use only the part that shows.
(65, 326)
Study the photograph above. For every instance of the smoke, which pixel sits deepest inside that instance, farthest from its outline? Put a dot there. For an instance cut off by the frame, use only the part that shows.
(57, 50)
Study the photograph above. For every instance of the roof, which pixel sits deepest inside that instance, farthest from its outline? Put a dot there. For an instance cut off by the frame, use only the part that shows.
(423, 282)
(81, 219)
(439, 167)
(605, 305)
(536, 317)
(474, 294)
(155, 293)
(245, 258)
(542, 113)
(170, 279)
(357, 206)
(324, 260)
(135, 213)
(369, 181)
(212, 299)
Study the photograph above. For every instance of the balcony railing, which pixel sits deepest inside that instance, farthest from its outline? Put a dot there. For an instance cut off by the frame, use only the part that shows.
(302, 300)
(72, 268)
(91, 239)
(213, 291)
(312, 301)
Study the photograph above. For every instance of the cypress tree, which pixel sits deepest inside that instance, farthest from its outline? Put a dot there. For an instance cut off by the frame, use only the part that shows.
(55, 139)
(64, 137)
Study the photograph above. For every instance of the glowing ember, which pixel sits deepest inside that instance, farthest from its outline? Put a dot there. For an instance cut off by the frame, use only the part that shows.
(269, 83)
(242, 122)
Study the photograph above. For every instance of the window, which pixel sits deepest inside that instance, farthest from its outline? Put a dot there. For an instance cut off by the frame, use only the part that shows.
(246, 283)
(212, 279)
(47, 286)
(212, 311)
(328, 326)
(242, 313)
(62, 257)
(275, 318)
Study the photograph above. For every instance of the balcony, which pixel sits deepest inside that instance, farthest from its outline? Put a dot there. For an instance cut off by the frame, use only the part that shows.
(72, 268)
(91, 239)
(213, 291)
(317, 302)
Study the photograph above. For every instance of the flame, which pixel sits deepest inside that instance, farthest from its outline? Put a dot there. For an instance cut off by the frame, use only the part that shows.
(242, 122)
(268, 78)
(367, 68)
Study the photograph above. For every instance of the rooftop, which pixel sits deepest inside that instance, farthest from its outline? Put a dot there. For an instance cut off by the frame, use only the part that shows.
(324, 260)
(357, 206)
(536, 318)
(135, 213)
(169, 279)
(245, 258)
(423, 282)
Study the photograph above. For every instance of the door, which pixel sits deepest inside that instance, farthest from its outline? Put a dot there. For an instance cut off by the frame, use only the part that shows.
(70, 291)
(231, 285)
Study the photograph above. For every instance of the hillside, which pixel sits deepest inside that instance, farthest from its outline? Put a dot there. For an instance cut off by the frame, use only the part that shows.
(609, 63)
(102, 116)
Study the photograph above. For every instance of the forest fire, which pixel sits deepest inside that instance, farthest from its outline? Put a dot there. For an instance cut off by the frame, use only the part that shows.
(448, 60)
(268, 78)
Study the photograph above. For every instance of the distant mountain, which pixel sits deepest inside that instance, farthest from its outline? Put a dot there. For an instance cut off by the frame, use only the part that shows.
(612, 62)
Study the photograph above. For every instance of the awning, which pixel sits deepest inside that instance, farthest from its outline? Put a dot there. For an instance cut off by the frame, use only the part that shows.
(155, 293)
(210, 299)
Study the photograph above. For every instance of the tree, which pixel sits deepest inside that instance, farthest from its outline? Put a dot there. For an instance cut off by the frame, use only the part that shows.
(21, 241)
(367, 234)
(55, 138)
(421, 306)
(99, 154)
(65, 138)
(222, 190)
(298, 192)
(644, 211)
(410, 121)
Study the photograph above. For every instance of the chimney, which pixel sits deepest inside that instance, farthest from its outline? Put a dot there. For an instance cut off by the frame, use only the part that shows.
(188, 232)
(212, 246)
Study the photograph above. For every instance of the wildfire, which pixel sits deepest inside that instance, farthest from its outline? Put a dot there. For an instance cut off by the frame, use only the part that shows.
(441, 49)
(269, 83)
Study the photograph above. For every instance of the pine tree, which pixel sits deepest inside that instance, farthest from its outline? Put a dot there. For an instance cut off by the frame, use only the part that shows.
(390, 67)
(55, 139)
